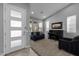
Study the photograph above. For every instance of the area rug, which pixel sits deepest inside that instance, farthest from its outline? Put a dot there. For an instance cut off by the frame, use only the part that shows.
(47, 47)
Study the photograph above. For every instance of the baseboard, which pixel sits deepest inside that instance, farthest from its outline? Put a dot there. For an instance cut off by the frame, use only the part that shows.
(14, 51)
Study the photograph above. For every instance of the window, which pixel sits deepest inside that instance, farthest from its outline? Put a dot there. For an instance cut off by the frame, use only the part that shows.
(40, 26)
(16, 33)
(71, 24)
(47, 25)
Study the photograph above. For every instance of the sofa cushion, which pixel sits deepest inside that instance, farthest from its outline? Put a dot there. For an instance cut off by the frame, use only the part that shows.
(67, 39)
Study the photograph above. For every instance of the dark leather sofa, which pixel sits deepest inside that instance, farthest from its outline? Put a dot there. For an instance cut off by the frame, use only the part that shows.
(70, 45)
(37, 36)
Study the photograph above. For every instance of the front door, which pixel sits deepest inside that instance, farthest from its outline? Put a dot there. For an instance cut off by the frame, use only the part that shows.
(14, 28)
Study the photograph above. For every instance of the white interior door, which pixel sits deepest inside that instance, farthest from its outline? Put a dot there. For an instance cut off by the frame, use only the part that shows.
(14, 28)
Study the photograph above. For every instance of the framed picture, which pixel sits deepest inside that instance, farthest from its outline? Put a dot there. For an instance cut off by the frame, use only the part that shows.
(57, 25)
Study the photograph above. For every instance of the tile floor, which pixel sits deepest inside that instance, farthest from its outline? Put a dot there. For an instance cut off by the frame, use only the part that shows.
(23, 52)
(47, 47)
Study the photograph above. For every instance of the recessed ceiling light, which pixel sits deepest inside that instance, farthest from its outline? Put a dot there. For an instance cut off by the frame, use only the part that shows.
(44, 16)
(32, 12)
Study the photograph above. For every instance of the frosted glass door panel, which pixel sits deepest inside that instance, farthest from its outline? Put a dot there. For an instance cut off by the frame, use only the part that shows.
(16, 33)
(16, 14)
(16, 43)
(14, 23)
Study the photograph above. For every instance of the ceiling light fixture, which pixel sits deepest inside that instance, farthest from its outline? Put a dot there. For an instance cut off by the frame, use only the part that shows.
(32, 12)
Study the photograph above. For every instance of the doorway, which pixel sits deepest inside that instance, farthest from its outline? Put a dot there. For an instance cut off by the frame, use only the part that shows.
(14, 28)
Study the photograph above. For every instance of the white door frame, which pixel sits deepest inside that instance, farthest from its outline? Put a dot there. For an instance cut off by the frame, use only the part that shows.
(4, 23)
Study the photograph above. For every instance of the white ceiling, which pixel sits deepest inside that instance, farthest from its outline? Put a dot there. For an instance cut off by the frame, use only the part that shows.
(45, 9)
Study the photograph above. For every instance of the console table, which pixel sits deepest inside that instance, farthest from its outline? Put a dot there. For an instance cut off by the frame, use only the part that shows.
(55, 34)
